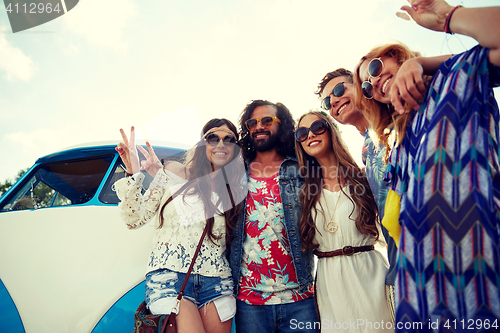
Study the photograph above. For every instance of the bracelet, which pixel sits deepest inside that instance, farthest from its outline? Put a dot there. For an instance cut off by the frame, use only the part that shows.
(128, 174)
(446, 27)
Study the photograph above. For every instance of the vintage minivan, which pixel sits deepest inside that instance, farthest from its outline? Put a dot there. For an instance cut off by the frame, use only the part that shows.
(67, 261)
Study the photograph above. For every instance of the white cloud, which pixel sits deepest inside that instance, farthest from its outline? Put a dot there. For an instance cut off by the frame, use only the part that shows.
(30, 142)
(14, 63)
(102, 22)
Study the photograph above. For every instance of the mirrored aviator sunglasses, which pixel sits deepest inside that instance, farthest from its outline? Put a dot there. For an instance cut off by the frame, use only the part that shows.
(338, 91)
(375, 68)
(317, 128)
(213, 140)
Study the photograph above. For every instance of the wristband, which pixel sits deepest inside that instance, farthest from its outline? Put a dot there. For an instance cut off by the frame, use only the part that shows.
(448, 19)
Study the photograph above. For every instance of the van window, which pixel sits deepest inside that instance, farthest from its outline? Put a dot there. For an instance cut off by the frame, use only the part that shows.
(108, 195)
(60, 184)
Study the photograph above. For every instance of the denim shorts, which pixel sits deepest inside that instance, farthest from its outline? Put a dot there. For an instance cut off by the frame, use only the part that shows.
(162, 287)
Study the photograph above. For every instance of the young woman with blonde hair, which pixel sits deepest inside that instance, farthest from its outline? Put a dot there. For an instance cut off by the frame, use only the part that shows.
(379, 111)
(443, 208)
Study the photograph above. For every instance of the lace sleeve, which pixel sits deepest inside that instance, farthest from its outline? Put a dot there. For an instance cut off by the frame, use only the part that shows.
(137, 209)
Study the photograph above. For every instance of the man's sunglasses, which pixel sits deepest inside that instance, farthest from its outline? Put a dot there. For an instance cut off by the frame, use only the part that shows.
(318, 127)
(338, 91)
(375, 68)
(213, 140)
(266, 121)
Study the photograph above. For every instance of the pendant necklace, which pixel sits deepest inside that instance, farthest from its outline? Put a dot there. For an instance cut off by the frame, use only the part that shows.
(332, 226)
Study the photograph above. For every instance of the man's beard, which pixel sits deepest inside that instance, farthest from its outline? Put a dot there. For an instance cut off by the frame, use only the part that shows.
(265, 144)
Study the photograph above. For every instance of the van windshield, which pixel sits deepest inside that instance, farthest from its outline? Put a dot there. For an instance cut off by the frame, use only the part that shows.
(60, 184)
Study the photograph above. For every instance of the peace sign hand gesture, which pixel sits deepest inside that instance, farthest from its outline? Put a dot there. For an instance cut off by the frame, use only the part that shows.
(128, 152)
(151, 164)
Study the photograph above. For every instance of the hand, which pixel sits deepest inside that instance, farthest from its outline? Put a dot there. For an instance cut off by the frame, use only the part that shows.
(430, 14)
(408, 86)
(152, 164)
(128, 151)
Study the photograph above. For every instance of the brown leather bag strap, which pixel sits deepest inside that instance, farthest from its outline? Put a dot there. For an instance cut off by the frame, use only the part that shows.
(227, 186)
(188, 273)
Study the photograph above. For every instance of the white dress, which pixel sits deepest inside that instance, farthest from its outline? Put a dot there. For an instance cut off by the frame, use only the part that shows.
(350, 289)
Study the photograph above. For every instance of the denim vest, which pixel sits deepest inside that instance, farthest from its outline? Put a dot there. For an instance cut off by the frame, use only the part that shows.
(290, 183)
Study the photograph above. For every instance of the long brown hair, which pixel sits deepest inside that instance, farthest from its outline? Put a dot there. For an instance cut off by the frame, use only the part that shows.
(381, 116)
(201, 184)
(348, 173)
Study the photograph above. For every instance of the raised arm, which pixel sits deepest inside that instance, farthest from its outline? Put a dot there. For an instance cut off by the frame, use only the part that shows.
(137, 209)
(409, 81)
(128, 151)
(152, 163)
(482, 24)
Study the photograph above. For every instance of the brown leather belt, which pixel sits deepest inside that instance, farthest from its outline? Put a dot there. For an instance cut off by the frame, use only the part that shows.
(345, 251)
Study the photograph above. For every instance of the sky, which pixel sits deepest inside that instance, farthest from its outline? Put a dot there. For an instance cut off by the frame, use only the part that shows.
(167, 67)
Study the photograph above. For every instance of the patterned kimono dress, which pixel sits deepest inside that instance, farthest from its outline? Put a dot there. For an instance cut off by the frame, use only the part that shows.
(447, 173)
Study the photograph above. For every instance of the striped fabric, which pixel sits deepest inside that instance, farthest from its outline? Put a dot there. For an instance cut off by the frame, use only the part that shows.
(447, 173)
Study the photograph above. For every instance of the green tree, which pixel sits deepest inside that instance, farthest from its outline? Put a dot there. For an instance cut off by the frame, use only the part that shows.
(4, 187)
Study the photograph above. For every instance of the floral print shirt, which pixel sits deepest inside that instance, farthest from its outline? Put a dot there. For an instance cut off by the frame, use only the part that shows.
(268, 274)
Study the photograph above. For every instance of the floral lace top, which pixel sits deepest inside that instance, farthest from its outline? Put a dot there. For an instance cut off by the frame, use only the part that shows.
(183, 223)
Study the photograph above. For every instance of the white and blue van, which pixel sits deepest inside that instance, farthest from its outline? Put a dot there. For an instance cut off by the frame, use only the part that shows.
(67, 261)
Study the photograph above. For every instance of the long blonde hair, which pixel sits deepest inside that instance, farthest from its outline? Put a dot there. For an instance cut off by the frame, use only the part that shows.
(381, 116)
(348, 174)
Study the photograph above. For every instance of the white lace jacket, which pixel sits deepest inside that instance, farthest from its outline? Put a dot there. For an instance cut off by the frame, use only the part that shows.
(183, 223)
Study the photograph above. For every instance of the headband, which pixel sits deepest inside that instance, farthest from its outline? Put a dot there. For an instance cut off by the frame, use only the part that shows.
(215, 129)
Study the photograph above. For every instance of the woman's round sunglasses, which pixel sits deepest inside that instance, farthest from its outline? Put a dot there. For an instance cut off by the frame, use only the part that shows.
(338, 91)
(213, 140)
(318, 127)
(375, 68)
(266, 121)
